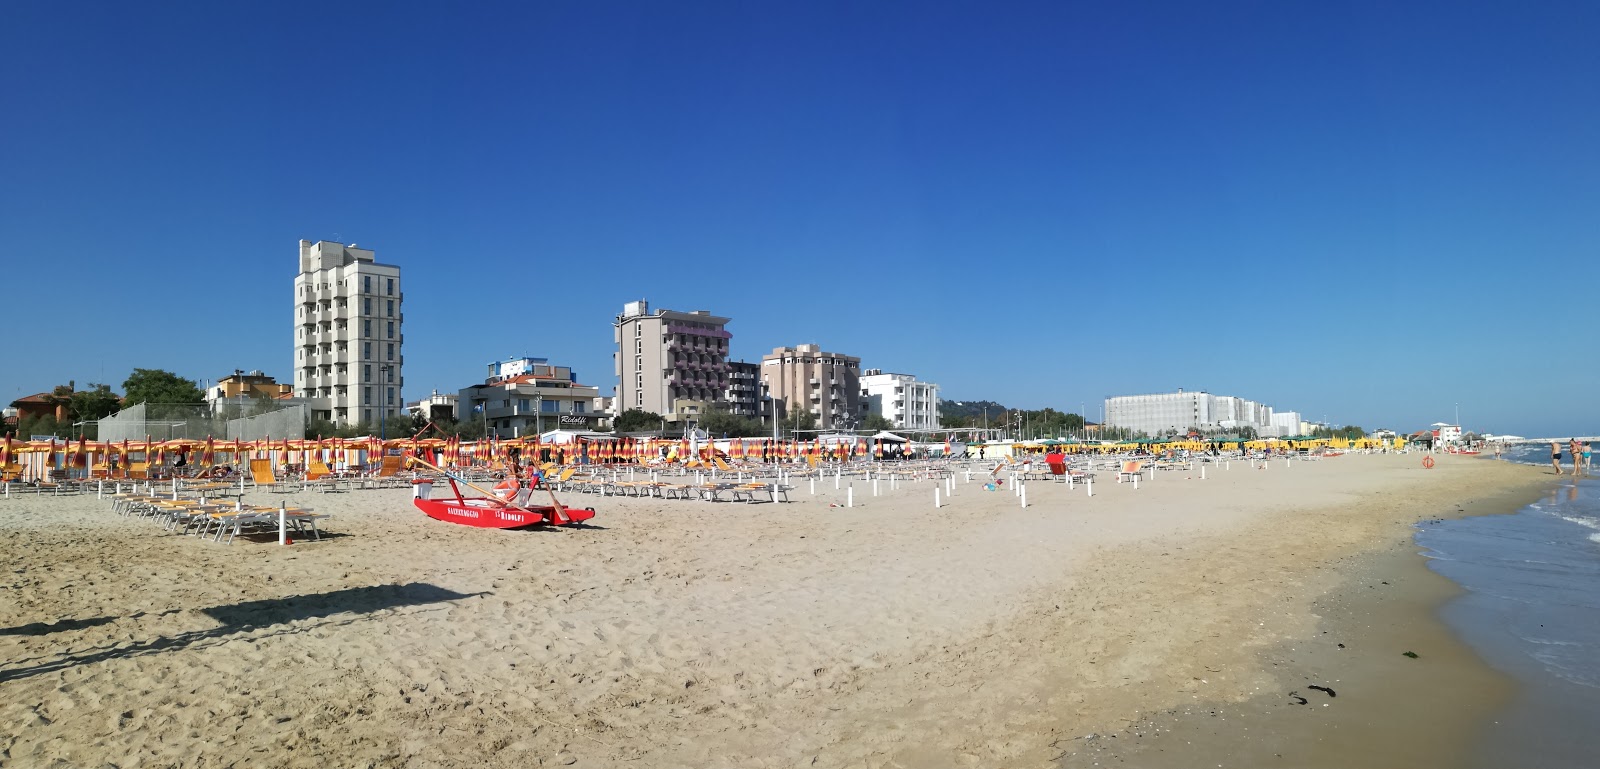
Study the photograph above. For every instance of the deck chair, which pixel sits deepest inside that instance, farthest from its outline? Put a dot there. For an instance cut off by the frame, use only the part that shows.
(1058, 472)
(1130, 470)
(261, 472)
(390, 467)
(316, 469)
(721, 465)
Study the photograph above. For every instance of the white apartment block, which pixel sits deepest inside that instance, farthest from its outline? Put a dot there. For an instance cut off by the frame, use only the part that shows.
(901, 399)
(1160, 413)
(670, 363)
(347, 334)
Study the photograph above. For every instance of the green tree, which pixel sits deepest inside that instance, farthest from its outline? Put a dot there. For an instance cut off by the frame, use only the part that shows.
(44, 424)
(877, 422)
(92, 405)
(799, 419)
(719, 423)
(636, 420)
(149, 385)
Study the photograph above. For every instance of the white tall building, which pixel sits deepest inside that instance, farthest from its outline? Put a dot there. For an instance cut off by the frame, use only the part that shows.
(347, 334)
(900, 398)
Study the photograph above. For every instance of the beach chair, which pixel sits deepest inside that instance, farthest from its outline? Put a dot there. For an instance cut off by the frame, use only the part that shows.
(316, 469)
(261, 472)
(1058, 472)
(1131, 470)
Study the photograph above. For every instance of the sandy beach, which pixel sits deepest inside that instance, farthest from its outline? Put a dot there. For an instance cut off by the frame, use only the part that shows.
(693, 634)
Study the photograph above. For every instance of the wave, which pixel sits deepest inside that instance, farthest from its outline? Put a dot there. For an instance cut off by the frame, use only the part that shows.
(1583, 521)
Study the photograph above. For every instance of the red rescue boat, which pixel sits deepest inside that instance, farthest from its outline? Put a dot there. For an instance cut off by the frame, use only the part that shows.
(491, 512)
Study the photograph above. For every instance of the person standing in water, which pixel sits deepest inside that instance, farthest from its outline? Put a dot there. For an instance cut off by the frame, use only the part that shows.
(1555, 456)
(1576, 450)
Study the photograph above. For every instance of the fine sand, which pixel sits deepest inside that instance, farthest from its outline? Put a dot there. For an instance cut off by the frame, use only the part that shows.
(692, 634)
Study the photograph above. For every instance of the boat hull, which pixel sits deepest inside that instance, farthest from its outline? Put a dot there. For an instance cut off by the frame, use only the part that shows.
(489, 515)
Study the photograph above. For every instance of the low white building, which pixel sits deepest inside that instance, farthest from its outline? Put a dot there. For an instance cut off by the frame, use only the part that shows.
(1178, 412)
(901, 399)
(528, 395)
(435, 407)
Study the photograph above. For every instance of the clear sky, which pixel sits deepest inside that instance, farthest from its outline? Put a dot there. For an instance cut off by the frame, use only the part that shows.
(1367, 211)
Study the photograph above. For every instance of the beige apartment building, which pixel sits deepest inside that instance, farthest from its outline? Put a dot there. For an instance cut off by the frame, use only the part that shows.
(670, 363)
(826, 383)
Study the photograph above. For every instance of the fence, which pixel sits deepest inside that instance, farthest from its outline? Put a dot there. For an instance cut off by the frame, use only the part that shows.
(239, 418)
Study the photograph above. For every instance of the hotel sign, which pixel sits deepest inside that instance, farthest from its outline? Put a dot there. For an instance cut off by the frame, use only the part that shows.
(573, 419)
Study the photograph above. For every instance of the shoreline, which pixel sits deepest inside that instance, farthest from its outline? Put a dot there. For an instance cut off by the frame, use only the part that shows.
(1385, 709)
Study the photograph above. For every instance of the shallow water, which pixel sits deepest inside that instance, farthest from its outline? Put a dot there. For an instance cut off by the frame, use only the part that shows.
(1532, 610)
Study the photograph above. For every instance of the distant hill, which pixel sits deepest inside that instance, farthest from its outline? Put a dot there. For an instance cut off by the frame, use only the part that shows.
(959, 409)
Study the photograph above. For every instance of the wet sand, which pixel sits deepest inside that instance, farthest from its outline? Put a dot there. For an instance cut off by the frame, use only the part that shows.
(1373, 705)
(694, 634)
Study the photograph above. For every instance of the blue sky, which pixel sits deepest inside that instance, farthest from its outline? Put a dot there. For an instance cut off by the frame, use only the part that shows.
(1040, 204)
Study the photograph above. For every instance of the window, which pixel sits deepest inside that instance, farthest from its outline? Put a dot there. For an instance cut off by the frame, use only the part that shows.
(366, 284)
(366, 352)
(577, 407)
(367, 415)
(390, 393)
(638, 363)
(638, 399)
(366, 394)
(638, 329)
(391, 329)
(390, 352)
(638, 346)
(548, 407)
(366, 373)
(366, 328)
(522, 404)
(390, 307)
(366, 306)
(389, 286)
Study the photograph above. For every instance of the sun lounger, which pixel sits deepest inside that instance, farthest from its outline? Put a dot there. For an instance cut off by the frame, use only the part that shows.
(1130, 470)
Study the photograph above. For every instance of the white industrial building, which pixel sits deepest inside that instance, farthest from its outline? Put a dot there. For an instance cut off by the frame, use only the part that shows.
(347, 334)
(900, 398)
(1165, 413)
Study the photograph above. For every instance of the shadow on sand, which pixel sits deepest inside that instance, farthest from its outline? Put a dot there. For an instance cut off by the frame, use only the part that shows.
(277, 616)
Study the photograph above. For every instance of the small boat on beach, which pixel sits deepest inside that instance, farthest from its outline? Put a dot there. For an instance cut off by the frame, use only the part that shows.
(492, 512)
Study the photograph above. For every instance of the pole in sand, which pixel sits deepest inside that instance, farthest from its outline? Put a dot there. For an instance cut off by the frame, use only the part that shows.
(850, 496)
(812, 482)
(936, 498)
(283, 525)
(1089, 485)
(1024, 495)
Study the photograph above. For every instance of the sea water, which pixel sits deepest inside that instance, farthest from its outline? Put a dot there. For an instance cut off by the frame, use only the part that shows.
(1532, 610)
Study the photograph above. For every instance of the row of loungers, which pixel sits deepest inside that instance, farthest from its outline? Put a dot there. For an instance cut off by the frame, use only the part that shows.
(209, 519)
(710, 492)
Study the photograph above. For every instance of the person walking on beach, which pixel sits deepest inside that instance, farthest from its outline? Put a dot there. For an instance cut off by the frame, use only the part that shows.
(1588, 458)
(1555, 456)
(1576, 449)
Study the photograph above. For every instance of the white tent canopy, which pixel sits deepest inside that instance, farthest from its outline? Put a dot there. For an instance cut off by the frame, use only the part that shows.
(888, 436)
